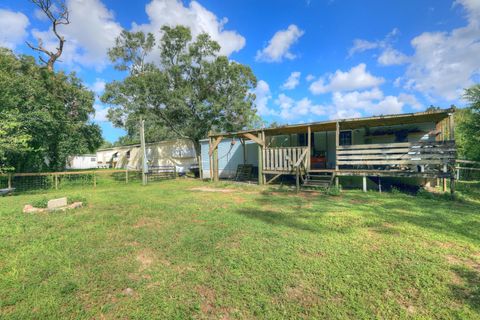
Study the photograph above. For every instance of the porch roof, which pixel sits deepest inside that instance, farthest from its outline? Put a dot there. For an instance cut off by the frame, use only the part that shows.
(354, 123)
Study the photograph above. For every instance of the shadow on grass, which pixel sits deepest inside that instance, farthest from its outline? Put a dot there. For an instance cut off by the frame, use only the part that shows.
(276, 218)
(468, 290)
(307, 212)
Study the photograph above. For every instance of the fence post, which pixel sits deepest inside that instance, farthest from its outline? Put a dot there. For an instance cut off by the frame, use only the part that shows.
(10, 181)
(56, 181)
(94, 180)
(126, 176)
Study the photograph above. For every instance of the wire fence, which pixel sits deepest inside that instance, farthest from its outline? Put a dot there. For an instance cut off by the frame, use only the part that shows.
(25, 182)
(467, 170)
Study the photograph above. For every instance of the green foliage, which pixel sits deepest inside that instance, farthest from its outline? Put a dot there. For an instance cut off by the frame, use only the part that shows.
(14, 138)
(48, 116)
(468, 126)
(73, 199)
(40, 203)
(334, 191)
(191, 90)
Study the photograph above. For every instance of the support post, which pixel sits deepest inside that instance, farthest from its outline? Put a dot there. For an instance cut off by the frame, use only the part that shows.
(337, 144)
(309, 144)
(215, 165)
(451, 126)
(337, 182)
(260, 160)
(444, 184)
(200, 167)
(364, 183)
(210, 158)
(10, 181)
(452, 185)
(126, 176)
(379, 184)
(144, 153)
(298, 179)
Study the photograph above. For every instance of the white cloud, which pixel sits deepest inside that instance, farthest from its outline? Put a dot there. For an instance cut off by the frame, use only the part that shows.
(291, 109)
(411, 100)
(310, 78)
(194, 16)
(367, 103)
(444, 63)
(390, 57)
(356, 78)
(263, 96)
(91, 32)
(13, 26)
(360, 45)
(101, 113)
(278, 47)
(292, 81)
(98, 86)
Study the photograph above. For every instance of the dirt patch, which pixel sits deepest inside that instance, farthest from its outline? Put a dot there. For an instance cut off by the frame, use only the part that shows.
(301, 295)
(147, 222)
(207, 189)
(207, 295)
(145, 258)
(469, 263)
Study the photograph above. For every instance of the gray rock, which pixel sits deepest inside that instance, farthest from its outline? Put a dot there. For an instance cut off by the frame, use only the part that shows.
(56, 204)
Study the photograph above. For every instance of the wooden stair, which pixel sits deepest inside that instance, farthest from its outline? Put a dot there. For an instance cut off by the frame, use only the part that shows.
(318, 180)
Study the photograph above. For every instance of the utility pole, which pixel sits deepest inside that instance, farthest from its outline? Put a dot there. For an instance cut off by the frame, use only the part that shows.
(144, 152)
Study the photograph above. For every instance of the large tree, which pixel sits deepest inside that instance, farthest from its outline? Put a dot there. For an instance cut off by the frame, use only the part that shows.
(187, 92)
(57, 13)
(468, 120)
(48, 112)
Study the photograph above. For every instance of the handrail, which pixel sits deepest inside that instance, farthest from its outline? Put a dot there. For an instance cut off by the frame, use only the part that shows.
(300, 160)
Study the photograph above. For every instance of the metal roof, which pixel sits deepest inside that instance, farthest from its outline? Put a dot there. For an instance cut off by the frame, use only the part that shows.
(330, 125)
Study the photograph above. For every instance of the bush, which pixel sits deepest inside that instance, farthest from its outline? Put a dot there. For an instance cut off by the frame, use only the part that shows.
(333, 191)
(40, 203)
(73, 199)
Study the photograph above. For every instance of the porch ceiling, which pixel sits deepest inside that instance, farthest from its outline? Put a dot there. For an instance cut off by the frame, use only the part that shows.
(409, 118)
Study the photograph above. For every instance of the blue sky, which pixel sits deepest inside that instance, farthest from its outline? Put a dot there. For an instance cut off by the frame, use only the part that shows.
(314, 59)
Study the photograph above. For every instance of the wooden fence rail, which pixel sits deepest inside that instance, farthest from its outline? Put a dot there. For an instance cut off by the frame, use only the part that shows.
(282, 159)
(438, 153)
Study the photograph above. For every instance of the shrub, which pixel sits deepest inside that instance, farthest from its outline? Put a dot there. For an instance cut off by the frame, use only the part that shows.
(40, 203)
(333, 191)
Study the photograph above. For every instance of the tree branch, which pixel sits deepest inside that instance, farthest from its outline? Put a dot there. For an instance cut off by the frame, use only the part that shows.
(58, 14)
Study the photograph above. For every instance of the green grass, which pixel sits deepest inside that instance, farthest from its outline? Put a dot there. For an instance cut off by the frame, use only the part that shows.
(166, 251)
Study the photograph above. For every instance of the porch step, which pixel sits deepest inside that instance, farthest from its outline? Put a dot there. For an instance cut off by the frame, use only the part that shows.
(318, 180)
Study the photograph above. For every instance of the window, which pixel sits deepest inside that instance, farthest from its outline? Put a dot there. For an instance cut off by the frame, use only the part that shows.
(345, 138)
(128, 154)
(93, 159)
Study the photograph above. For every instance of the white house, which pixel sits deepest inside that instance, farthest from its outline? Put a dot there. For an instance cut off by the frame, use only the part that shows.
(179, 153)
(82, 161)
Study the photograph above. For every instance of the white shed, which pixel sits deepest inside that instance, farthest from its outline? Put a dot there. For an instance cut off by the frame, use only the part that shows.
(82, 161)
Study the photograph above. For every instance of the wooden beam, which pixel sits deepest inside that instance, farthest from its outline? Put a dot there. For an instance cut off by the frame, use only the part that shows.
(215, 165)
(274, 178)
(451, 126)
(215, 144)
(210, 158)
(258, 139)
(337, 143)
(309, 145)
(260, 158)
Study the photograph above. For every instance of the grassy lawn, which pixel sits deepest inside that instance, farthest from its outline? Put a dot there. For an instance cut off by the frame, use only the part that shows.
(171, 250)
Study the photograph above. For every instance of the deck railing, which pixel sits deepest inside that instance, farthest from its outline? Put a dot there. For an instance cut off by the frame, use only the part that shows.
(282, 159)
(432, 156)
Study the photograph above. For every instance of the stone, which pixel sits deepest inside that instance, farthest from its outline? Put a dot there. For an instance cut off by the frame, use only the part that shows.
(56, 204)
(75, 205)
(128, 292)
(31, 209)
